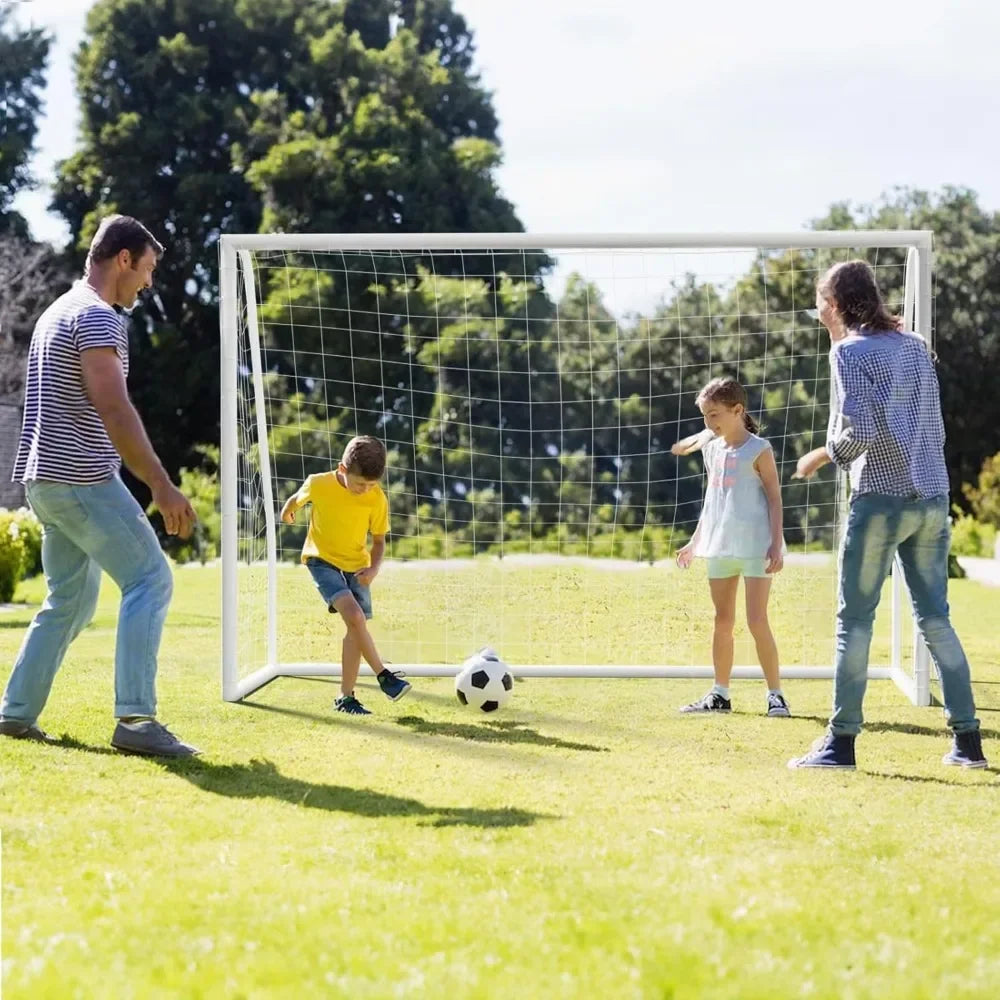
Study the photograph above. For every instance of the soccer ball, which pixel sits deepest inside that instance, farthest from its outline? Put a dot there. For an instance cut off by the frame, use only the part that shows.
(484, 682)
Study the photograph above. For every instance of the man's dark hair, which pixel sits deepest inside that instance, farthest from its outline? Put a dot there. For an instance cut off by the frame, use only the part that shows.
(365, 456)
(121, 232)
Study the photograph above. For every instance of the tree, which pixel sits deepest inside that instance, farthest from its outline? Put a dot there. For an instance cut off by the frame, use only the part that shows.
(23, 57)
(31, 275)
(213, 116)
(966, 307)
(984, 494)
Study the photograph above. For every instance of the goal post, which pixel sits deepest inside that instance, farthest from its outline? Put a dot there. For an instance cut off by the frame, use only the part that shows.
(528, 388)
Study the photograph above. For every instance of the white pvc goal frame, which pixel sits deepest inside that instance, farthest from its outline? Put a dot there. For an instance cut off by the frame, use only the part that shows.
(236, 267)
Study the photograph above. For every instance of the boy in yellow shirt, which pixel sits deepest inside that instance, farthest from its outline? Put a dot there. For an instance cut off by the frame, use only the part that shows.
(347, 504)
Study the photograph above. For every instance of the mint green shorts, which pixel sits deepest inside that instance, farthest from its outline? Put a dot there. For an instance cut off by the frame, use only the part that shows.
(723, 567)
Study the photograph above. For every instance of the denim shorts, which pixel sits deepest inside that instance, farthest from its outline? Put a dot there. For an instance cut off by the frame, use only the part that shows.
(723, 567)
(333, 583)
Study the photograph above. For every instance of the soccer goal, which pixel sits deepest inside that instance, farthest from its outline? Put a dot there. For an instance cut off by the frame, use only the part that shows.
(528, 389)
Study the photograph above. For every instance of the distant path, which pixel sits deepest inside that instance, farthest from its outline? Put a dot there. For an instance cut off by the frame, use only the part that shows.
(981, 570)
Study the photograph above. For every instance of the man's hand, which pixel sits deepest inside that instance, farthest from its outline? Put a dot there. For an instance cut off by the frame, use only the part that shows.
(178, 515)
(810, 463)
(365, 576)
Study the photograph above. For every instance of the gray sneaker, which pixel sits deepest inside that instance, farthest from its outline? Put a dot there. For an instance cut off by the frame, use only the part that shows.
(151, 739)
(23, 731)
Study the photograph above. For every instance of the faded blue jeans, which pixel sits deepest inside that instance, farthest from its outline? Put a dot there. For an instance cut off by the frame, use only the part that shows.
(919, 530)
(87, 529)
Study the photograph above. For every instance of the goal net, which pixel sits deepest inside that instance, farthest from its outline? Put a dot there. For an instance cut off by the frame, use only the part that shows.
(528, 390)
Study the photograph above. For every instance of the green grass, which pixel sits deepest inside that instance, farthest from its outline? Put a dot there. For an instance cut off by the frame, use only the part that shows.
(546, 610)
(590, 842)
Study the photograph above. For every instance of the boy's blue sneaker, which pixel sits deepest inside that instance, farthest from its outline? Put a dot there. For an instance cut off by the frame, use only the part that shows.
(393, 686)
(831, 752)
(966, 751)
(349, 704)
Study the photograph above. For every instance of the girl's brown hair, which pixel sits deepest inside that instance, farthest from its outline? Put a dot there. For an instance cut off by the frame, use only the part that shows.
(728, 392)
(852, 289)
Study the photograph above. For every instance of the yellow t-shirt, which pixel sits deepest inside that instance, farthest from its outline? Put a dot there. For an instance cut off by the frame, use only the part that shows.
(340, 521)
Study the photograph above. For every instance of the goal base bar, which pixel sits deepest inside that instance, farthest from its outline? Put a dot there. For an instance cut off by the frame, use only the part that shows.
(238, 689)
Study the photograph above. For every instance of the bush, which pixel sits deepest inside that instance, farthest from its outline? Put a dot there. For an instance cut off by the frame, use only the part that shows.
(201, 487)
(31, 535)
(984, 497)
(970, 537)
(11, 554)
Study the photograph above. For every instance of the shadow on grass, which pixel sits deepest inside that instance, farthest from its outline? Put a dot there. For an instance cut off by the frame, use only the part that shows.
(417, 695)
(492, 731)
(901, 727)
(262, 779)
(929, 780)
(67, 742)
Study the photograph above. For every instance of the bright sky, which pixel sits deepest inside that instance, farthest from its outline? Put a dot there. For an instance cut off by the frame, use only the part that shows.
(646, 116)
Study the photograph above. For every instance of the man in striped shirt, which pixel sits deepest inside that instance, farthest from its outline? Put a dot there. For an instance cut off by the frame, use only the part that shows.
(79, 425)
(886, 429)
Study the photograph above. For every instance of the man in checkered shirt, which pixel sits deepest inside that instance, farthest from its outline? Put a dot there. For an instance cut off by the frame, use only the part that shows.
(886, 429)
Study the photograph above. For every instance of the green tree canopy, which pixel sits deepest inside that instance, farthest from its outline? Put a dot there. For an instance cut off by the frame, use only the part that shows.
(966, 311)
(23, 56)
(309, 115)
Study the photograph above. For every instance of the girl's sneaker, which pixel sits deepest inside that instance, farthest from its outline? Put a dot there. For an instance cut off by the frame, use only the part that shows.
(777, 707)
(349, 704)
(712, 702)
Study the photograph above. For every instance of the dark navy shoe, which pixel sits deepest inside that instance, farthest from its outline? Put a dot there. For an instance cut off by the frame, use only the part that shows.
(712, 702)
(349, 704)
(393, 686)
(966, 751)
(831, 752)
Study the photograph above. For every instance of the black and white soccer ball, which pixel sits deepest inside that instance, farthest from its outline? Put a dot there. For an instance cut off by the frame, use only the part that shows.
(484, 682)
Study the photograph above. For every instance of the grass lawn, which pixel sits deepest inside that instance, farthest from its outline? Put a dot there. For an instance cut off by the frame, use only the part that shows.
(588, 842)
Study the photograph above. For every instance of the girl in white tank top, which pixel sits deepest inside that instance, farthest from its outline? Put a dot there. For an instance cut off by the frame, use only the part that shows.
(739, 533)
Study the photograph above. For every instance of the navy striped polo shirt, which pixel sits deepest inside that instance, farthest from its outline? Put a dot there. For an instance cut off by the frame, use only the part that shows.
(63, 439)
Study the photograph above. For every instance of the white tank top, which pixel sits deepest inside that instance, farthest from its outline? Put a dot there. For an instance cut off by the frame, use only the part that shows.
(735, 521)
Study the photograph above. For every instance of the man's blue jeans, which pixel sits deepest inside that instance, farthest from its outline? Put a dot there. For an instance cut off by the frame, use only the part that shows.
(87, 529)
(919, 530)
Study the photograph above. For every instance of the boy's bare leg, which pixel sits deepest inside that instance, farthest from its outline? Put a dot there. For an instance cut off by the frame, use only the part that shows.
(357, 633)
(350, 663)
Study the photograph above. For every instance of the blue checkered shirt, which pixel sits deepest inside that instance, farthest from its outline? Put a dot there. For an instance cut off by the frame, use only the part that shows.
(885, 415)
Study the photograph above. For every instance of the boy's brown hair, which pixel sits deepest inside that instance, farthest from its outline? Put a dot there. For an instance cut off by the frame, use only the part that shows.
(365, 456)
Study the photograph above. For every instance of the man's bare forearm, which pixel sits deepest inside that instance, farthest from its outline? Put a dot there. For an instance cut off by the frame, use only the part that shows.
(124, 427)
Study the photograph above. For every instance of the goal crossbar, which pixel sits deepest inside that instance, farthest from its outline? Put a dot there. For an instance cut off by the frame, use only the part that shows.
(920, 239)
